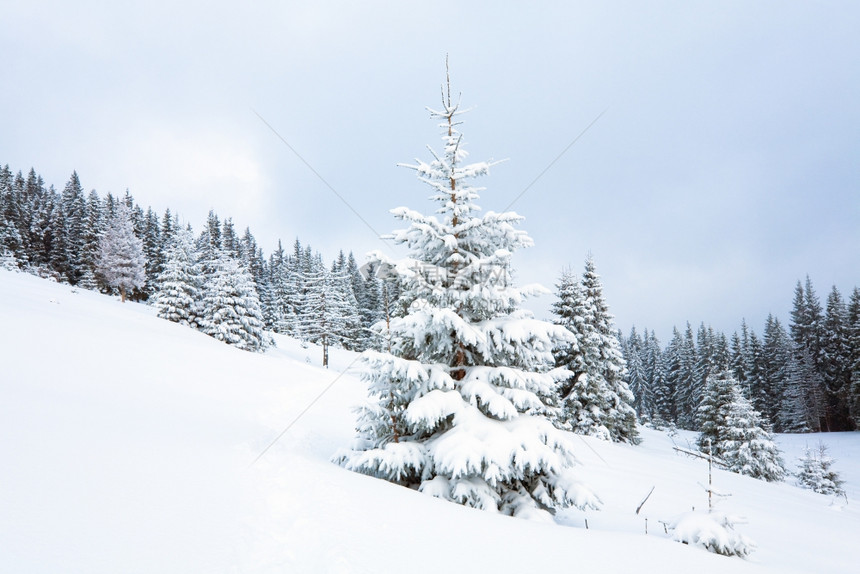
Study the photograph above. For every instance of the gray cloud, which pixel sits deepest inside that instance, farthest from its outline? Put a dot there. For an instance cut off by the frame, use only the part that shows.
(724, 169)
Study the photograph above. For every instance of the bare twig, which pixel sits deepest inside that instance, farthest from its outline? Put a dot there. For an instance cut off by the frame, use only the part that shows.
(641, 504)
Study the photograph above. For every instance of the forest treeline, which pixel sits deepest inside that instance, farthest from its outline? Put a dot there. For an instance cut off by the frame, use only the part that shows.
(188, 275)
(805, 378)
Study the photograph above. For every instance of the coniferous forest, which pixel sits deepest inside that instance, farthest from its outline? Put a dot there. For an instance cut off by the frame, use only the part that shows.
(803, 377)
(218, 280)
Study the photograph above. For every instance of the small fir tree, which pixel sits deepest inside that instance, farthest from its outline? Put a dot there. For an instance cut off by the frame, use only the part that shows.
(732, 431)
(815, 472)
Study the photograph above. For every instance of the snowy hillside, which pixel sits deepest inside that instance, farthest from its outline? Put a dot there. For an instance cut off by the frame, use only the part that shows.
(127, 444)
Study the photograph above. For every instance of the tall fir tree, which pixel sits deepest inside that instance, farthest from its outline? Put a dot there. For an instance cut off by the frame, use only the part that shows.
(74, 214)
(92, 229)
(854, 357)
(660, 391)
(804, 401)
(835, 361)
(460, 405)
(688, 387)
(643, 399)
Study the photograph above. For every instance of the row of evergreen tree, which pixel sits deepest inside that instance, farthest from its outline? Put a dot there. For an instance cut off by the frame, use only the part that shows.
(216, 281)
(802, 379)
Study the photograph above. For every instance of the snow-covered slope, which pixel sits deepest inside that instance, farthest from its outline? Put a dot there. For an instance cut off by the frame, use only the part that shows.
(127, 444)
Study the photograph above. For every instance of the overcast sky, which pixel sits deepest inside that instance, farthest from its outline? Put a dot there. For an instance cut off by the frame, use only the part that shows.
(726, 165)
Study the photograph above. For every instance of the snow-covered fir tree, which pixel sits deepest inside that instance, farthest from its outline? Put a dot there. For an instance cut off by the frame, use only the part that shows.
(659, 400)
(835, 361)
(596, 399)
(459, 409)
(643, 397)
(329, 313)
(853, 395)
(732, 430)
(179, 284)
(372, 308)
(688, 391)
(815, 472)
(121, 262)
(231, 307)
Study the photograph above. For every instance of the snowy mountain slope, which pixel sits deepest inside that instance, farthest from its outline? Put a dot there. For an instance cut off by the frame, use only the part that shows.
(127, 442)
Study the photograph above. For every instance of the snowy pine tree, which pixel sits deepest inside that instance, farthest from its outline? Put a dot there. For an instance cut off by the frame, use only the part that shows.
(179, 284)
(643, 398)
(231, 308)
(459, 407)
(330, 315)
(121, 262)
(688, 391)
(733, 430)
(595, 400)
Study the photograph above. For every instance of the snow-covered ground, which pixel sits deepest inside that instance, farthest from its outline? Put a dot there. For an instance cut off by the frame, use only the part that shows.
(127, 444)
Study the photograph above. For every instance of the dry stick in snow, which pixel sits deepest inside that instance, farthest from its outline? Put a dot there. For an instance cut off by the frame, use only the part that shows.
(641, 504)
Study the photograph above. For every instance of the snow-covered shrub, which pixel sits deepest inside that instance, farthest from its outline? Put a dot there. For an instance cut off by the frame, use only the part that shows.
(815, 472)
(713, 531)
(8, 261)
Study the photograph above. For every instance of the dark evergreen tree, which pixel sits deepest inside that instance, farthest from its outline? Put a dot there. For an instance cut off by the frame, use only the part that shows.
(229, 240)
(672, 367)
(688, 387)
(169, 226)
(803, 406)
(660, 392)
(12, 240)
(154, 248)
(853, 398)
(631, 348)
(755, 378)
(92, 229)
(74, 210)
(835, 361)
(40, 204)
(773, 370)
(372, 308)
